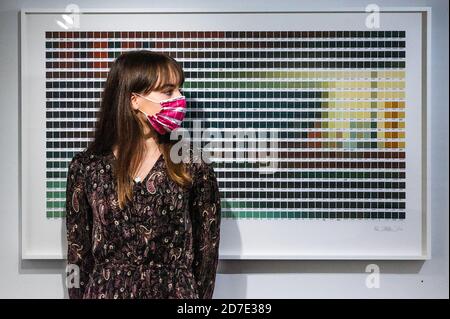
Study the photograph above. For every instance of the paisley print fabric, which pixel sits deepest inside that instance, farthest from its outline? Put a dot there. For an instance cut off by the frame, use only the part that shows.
(163, 244)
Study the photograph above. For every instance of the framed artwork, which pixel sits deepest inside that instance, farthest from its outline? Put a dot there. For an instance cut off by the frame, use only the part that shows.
(319, 122)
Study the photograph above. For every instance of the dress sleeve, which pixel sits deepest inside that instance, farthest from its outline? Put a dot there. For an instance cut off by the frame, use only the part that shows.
(79, 226)
(206, 216)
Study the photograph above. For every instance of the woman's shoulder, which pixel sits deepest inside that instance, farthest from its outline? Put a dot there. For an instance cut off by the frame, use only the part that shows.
(199, 162)
(86, 158)
(82, 157)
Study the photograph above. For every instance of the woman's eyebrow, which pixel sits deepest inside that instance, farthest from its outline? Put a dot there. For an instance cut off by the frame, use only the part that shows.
(168, 86)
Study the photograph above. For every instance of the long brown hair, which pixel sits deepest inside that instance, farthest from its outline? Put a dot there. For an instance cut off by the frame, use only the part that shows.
(140, 71)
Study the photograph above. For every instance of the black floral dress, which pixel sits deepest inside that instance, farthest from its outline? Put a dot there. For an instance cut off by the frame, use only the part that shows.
(163, 244)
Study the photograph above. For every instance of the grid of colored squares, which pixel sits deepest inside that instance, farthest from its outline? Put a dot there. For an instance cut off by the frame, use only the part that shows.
(334, 101)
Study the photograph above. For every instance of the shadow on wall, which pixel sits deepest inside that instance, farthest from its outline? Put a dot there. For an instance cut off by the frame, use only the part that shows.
(238, 288)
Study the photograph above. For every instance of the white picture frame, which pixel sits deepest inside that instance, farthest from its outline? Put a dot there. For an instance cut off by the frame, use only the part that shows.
(43, 238)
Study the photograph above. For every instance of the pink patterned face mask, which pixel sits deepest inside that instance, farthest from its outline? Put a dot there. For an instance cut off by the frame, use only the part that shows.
(170, 116)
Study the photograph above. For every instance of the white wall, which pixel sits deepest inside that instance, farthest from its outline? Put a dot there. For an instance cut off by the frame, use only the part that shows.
(236, 279)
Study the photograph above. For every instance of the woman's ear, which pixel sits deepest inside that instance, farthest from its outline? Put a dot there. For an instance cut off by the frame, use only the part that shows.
(134, 103)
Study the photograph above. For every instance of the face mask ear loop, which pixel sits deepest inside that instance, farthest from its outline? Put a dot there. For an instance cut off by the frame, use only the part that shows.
(146, 115)
(148, 98)
(143, 112)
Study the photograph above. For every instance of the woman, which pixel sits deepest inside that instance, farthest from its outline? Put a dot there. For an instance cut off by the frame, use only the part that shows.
(139, 224)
